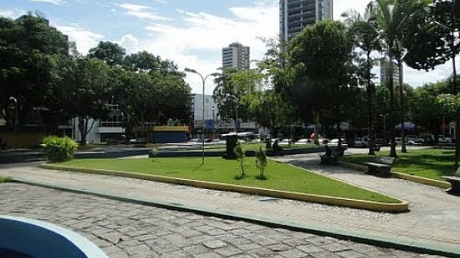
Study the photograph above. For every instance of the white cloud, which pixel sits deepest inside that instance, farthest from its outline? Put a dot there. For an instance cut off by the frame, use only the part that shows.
(13, 14)
(196, 39)
(161, 1)
(142, 11)
(56, 2)
(341, 6)
(129, 42)
(198, 44)
(84, 39)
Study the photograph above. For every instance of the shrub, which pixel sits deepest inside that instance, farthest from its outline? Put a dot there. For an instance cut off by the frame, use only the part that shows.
(239, 153)
(261, 162)
(58, 149)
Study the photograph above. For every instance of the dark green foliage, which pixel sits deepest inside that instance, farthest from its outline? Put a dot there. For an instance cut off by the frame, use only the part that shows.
(30, 51)
(59, 149)
(433, 35)
(111, 53)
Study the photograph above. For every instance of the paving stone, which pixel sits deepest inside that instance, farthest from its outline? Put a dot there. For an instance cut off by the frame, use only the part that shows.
(131, 230)
(278, 247)
(228, 251)
(214, 244)
(208, 255)
(293, 253)
(196, 249)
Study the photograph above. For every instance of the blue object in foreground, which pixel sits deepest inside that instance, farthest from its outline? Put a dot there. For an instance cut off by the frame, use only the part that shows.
(40, 239)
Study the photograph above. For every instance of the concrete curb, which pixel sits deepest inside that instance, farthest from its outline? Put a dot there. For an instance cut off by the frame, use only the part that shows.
(365, 238)
(403, 206)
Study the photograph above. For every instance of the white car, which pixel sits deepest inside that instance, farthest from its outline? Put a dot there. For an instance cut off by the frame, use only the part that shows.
(444, 139)
(414, 140)
(284, 142)
(361, 142)
(335, 143)
(303, 141)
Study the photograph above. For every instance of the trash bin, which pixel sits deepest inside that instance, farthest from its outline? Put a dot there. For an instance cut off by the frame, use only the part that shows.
(230, 144)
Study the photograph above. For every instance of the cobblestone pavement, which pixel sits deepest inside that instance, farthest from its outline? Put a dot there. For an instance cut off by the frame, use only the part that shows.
(123, 229)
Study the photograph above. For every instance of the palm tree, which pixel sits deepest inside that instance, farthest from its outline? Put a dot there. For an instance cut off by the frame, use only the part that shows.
(391, 18)
(366, 38)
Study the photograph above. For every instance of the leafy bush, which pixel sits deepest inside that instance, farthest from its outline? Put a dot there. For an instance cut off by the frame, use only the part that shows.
(239, 153)
(58, 149)
(261, 162)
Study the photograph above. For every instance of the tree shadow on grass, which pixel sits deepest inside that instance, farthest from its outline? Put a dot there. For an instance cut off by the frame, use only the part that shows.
(239, 177)
(261, 177)
(197, 167)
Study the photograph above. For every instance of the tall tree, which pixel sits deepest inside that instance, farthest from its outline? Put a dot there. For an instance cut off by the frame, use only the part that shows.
(111, 53)
(322, 56)
(271, 103)
(366, 39)
(227, 97)
(434, 41)
(392, 18)
(30, 50)
(84, 92)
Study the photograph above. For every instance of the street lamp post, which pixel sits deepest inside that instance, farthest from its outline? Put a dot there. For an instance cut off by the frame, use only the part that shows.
(213, 123)
(15, 113)
(203, 79)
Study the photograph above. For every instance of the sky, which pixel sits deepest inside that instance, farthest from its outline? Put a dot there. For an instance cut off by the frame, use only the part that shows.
(191, 33)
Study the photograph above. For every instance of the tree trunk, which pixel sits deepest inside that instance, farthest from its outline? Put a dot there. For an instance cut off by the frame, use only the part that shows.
(454, 81)
(82, 126)
(316, 117)
(370, 103)
(401, 103)
(392, 107)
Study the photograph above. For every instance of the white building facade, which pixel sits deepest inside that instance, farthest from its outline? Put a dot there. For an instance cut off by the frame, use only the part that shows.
(212, 120)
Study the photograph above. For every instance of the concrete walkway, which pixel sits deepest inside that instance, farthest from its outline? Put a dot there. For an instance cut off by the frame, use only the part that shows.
(431, 224)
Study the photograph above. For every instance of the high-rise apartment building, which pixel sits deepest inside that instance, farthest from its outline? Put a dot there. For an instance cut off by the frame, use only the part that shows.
(297, 14)
(385, 71)
(236, 55)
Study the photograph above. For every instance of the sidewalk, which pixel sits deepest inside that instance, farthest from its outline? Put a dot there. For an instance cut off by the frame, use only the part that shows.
(432, 223)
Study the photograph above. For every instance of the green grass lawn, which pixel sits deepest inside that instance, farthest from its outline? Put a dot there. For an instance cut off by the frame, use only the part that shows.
(279, 176)
(428, 163)
(4, 179)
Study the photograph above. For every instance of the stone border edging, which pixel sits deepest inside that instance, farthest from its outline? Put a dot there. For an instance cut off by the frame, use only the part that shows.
(44, 239)
(416, 179)
(337, 201)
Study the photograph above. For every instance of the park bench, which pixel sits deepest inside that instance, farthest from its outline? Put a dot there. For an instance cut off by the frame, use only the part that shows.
(454, 183)
(330, 159)
(380, 166)
(376, 147)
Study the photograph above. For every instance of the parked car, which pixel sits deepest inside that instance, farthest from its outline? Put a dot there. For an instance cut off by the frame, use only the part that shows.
(303, 141)
(444, 139)
(414, 140)
(361, 142)
(335, 143)
(285, 142)
(195, 140)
